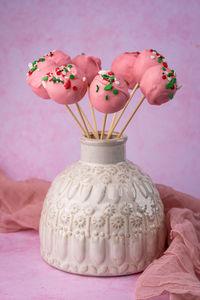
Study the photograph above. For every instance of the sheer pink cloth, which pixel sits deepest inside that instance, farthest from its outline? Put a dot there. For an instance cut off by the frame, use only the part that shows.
(177, 272)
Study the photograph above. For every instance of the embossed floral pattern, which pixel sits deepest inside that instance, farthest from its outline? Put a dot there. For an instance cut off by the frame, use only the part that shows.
(117, 222)
(88, 210)
(80, 221)
(74, 208)
(109, 210)
(136, 221)
(98, 221)
(126, 209)
(64, 217)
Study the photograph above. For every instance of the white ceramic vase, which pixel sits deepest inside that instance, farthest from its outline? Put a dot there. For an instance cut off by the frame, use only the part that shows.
(102, 216)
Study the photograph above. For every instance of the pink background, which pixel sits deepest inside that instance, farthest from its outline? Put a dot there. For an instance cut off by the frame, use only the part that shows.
(39, 138)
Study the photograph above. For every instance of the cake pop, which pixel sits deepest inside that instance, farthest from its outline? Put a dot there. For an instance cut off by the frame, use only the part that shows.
(66, 84)
(43, 65)
(108, 92)
(90, 65)
(158, 84)
(147, 59)
(123, 66)
(59, 57)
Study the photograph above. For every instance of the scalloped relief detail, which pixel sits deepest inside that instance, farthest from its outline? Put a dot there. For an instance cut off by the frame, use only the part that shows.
(102, 220)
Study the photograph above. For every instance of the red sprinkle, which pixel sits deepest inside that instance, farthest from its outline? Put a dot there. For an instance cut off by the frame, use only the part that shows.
(164, 77)
(172, 88)
(107, 79)
(151, 50)
(58, 72)
(165, 65)
(67, 84)
(50, 54)
(74, 88)
(110, 73)
(157, 54)
(30, 72)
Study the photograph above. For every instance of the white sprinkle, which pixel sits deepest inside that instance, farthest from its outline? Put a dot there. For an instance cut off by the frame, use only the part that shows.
(64, 73)
(164, 60)
(44, 84)
(179, 87)
(38, 69)
(153, 57)
(169, 78)
(30, 65)
(117, 82)
(101, 72)
(84, 78)
(53, 51)
(66, 77)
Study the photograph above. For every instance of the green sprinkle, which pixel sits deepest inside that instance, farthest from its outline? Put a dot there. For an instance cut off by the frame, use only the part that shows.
(169, 74)
(105, 76)
(164, 69)
(42, 59)
(34, 68)
(71, 76)
(155, 51)
(159, 59)
(35, 62)
(115, 92)
(172, 71)
(59, 80)
(97, 88)
(106, 97)
(82, 53)
(45, 78)
(171, 96)
(173, 80)
(112, 79)
(70, 66)
(65, 70)
(108, 87)
(54, 79)
(169, 85)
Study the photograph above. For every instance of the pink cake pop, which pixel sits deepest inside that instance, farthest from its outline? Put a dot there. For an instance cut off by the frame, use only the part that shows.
(108, 92)
(89, 64)
(147, 59)
(40, 67)
(123, 66)
(58, 57)
(158, 84)
(66, 84)
(38, 70)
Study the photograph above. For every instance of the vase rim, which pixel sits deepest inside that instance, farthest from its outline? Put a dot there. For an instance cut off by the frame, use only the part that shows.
(110, 142)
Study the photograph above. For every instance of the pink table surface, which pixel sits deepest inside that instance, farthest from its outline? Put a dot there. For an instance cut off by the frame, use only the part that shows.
(24, 275)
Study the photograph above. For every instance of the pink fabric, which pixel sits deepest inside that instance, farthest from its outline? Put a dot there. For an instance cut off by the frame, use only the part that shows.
(176, 272)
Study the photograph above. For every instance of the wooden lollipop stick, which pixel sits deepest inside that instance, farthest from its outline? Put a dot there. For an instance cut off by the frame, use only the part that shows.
(75, 118)
(93, 118)
(103, 128)
(122, 111)
(119, 135)
(81, 116)
(112, 123)
(86, 119)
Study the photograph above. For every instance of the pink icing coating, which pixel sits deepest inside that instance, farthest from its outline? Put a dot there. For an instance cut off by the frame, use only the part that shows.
(115, 102)
(89, 64)
(123, 66)
(35, 79)
(58, 57)
(70, 90)
(144, 61)
(153, 86)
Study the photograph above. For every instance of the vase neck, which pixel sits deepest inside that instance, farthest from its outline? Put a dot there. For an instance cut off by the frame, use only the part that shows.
(110, 151)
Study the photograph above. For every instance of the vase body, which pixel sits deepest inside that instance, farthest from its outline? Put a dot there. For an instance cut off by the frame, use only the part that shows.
(102, 216)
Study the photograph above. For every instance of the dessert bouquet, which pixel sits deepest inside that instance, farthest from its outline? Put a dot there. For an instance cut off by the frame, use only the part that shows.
(102, 216)
(58, 77)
